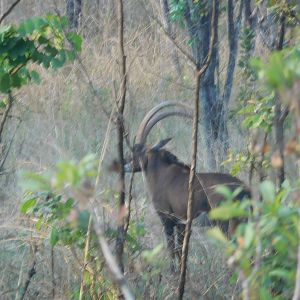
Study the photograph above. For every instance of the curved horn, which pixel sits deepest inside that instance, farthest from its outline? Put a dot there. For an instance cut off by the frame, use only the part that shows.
(161, 116)
(141, 136)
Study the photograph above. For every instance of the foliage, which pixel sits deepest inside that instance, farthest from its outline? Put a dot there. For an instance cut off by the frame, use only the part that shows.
(136, 230)
(267, 242)
(278, 74)
(52, 200)
(264, 252)
(57, 203)
(281, 70)
(38, 40)
(247, 38)
(178, 9)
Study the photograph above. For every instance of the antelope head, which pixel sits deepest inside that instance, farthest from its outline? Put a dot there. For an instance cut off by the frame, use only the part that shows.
(141, 152)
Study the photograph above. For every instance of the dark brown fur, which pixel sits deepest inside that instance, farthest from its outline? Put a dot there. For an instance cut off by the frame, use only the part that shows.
(167, 180)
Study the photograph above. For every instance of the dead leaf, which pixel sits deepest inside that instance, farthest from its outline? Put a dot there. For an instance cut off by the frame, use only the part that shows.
(276, 160)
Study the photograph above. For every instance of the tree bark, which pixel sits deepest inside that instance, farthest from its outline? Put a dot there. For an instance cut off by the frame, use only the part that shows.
(74, 11)
(213, 105)
(280, 116)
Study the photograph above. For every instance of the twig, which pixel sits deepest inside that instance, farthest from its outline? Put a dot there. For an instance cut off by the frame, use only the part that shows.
(31, 273)
(52, 272)
(3, 159)
(280, 115)
(18, 290)
(5, 115)
(10, 9)
(129, 203)
(296, 295)
(111, 263)
(86, 257)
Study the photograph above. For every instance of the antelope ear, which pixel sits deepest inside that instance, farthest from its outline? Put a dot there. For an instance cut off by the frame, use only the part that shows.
(161, 144)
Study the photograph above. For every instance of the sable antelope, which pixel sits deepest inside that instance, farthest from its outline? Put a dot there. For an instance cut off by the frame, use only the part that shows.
(167, 179)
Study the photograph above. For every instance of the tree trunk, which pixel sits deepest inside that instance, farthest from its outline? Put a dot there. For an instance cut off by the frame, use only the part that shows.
(280, 116)
(74, 13)
(213, 105)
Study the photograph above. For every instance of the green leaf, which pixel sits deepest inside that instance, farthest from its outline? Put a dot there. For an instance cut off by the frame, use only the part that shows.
(249, 235)
(267, 190)
(83, 220)
(217, 234)
(224, 191)
(35, 76)
(27, 205)
(226, 211)
(281, 273)
(39, 223)
(264, 294)
(3, 103)
(57, 62)
(54, 236)
(35, 182)
(26, 28)
(39, 22)
(71, 54)
(5, 83)
(75, 39)
(69, 203)
(151, 255)
(17, 80)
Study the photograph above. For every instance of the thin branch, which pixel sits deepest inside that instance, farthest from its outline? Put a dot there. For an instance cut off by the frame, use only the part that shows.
(199, 73)
(280, 114)
(3, 159)
(86, 257)
(5, 115)
(30, 274)
(296, 295)
(120, 124)
(118, 276)
(109, 259)
(52, 272)
(129, 204)
(10, 9)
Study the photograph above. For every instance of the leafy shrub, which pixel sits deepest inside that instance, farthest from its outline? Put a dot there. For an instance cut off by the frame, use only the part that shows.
(264, 250)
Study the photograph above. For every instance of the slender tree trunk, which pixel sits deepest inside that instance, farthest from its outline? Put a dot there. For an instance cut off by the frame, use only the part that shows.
(213, 105)
(74, 11)
(200, 71)
(121, 104)
(188, 231)
(280, 116)
(250, 15)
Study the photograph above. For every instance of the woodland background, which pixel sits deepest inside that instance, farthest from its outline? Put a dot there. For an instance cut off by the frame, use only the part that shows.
(249, 126)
